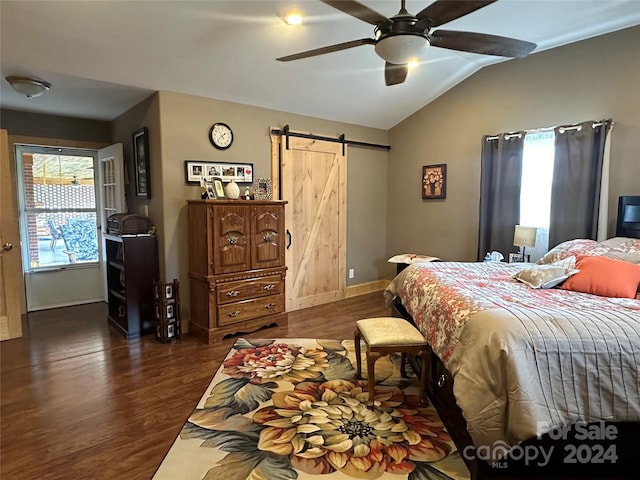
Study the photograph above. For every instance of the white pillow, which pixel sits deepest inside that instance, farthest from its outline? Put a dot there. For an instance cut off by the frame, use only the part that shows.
(544, 276)
(412, 258)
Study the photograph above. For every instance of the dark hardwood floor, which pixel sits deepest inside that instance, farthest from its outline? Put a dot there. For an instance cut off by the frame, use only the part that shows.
(78, 401)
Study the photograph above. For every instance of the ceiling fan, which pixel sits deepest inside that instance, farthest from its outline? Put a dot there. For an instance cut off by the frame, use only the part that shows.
(400, 39)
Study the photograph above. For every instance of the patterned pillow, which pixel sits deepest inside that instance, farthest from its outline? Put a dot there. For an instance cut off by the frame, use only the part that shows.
(624, 244)
(569, 262)
(544, 276)
(622, 248)
(573, 247)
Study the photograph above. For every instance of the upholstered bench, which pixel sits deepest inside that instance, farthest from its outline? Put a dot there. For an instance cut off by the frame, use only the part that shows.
(385, 335)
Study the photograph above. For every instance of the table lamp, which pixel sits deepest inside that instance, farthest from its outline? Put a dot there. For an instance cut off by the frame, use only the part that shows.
(524, 237)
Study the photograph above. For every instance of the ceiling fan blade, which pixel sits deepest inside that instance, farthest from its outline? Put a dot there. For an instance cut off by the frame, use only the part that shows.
(331, 48)
(481, 43)
(395, 74)
(361, 12)
(443, 11)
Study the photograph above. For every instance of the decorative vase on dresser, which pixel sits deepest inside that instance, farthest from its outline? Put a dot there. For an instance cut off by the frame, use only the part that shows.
(232, 190)
(236, 266)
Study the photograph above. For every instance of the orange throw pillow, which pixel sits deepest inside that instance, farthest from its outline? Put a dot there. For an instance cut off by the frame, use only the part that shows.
(604, 276)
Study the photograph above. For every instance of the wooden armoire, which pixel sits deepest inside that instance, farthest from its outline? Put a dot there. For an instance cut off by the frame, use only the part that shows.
(236, 266)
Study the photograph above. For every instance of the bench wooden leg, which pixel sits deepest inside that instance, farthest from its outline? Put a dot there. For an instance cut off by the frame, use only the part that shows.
(425, 359)
(371, 360)
(403, 365)
(356, 342)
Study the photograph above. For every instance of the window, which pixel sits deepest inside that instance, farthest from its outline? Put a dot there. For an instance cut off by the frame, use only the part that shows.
(57, 207)
(535, 192)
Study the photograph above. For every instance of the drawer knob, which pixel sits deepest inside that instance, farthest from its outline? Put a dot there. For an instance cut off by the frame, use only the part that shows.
(233, 314)
(233, 293)
(268, 237)
(271, 286)
(232, 240)
(270, 306)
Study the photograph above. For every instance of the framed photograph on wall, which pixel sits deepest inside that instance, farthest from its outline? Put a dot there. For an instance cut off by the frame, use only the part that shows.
(434, 181)
(194, 170)
(141, 162)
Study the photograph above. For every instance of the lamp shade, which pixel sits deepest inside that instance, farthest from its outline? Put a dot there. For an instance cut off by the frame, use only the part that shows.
(525, 236)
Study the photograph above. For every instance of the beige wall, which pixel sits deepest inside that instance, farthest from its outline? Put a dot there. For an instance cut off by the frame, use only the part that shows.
(178, 131)
(55, 126)
(590, 80)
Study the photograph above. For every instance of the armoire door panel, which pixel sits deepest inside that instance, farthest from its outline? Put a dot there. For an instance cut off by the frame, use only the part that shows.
(268, 246)
(233, 253)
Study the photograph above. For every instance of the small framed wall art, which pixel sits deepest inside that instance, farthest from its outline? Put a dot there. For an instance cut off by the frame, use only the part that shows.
(141, 162)
(434, 181)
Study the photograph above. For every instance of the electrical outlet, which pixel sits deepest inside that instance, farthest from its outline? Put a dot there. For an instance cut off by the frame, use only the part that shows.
(352, 272)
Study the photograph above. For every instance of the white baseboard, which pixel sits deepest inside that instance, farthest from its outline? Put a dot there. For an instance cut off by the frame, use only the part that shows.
(65, 304)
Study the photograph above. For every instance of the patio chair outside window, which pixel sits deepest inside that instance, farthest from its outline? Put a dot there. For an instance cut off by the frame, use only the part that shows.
(55, 232)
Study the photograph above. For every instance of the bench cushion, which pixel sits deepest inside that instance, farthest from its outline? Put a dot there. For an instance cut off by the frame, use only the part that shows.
(389, 331)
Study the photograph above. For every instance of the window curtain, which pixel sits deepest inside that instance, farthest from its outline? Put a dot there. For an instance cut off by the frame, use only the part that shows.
(500, 177)
(577, 179)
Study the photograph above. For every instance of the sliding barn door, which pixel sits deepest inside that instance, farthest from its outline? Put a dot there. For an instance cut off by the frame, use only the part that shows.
(313, 179)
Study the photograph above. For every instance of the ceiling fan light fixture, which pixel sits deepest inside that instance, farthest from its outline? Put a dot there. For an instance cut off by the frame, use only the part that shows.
(400, 49)
(29, 87)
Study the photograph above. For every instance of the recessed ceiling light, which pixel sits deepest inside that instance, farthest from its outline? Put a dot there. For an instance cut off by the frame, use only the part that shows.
(293, 17)
(413, 64)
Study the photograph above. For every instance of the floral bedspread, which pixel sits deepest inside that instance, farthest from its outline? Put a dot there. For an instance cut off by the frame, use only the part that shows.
(441, 296)
(524, 360)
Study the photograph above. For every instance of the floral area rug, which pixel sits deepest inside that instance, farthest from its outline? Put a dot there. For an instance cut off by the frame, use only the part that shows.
(285, 409)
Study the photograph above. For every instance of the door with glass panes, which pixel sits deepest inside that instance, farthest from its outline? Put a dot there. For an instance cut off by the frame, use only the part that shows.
(65, 195)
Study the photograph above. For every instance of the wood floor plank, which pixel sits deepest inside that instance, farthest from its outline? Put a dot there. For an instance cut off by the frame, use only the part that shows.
(78, 401)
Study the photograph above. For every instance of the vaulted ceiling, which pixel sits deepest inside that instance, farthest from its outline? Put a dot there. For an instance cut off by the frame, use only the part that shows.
(103, 57)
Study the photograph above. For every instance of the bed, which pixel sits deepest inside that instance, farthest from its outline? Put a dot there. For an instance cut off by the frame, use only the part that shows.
(535, 381)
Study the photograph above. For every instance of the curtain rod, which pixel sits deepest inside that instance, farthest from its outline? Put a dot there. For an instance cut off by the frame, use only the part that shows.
(562, 130)
(341, 139)
(506, 137)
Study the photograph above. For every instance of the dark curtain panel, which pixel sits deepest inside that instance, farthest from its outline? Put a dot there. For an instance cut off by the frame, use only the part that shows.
(577, 175)
(501, 173)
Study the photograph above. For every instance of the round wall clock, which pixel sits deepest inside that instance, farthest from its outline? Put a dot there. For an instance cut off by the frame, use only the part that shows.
(221, 135)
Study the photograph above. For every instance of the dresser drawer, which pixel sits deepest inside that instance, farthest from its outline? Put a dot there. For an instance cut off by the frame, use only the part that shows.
(251, 288)
(240, 311)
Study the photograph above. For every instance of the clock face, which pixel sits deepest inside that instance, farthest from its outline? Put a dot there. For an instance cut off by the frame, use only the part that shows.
(221, 136)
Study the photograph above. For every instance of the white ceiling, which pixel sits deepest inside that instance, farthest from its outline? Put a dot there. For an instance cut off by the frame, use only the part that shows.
(103, 57)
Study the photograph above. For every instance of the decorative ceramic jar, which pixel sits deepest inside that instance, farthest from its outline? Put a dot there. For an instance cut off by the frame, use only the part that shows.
(232, 190)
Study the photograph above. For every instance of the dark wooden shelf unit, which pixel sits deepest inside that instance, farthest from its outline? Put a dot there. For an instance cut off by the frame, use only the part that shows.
(132, 267)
